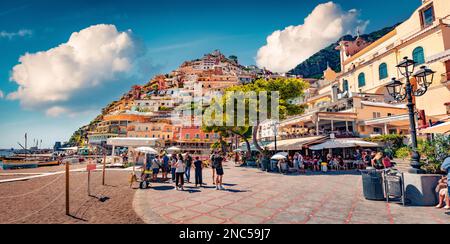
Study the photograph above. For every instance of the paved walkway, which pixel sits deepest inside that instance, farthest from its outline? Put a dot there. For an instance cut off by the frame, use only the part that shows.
(255, 197)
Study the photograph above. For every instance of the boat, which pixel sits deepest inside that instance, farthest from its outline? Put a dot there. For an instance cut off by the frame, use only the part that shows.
(49, 163)
(18, 163)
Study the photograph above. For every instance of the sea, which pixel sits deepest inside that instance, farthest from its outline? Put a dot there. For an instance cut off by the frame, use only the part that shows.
(5, 153)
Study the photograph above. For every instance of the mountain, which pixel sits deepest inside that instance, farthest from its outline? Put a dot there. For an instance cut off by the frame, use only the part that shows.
(314, 66)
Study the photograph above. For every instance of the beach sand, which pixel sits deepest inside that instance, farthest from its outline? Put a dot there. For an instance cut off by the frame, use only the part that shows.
(42, 200)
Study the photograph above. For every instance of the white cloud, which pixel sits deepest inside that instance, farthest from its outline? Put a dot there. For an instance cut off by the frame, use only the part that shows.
(287, 48)
(1, 94)
(58, 78)
(56, 111)
(20, 33)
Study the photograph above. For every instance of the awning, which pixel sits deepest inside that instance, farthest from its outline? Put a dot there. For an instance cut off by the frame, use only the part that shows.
(438, 129)
(295, 144)
(343, 143)
(132, 142)
(440, 57)
(243, 147)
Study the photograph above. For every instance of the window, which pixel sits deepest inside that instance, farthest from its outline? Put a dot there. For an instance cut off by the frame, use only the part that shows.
(345, 85)
(418, 55)
(376, 115)
(188, 136)
(383, 71)
(427, 15)
(361, 80)
(377, 130)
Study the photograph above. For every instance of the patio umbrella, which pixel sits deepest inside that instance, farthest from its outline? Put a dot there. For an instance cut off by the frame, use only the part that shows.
(146, 150)
(278, 157)
(331, 144)
(173, 149)
(438, 129)
(343, 143)
(283, 154)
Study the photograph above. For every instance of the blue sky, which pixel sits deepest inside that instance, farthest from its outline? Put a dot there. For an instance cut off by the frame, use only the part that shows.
(172, 31)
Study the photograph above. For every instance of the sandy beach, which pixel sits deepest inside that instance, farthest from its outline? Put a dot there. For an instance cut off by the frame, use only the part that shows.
(42, 200)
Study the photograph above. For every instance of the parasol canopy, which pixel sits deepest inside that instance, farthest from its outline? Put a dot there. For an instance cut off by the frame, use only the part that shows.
(147, 150)
(278, 157)
(438, 129)
(343, 143)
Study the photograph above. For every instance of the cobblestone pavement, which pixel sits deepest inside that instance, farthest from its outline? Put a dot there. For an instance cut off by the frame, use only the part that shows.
(255, 197)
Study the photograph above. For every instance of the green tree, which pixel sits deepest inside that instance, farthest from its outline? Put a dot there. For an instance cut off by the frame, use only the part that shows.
(288, 88)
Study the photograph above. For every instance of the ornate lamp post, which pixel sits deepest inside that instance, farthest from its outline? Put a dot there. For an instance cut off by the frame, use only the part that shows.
(275, 132)
(399, 91)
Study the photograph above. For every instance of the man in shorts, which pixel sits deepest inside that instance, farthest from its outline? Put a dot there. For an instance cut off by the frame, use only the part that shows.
(218, 165)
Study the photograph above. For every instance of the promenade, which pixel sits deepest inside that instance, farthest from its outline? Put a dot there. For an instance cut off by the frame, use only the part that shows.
(255, 197)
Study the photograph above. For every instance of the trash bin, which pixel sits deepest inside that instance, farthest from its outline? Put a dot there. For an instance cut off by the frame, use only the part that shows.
(394, 185)
(373, 185)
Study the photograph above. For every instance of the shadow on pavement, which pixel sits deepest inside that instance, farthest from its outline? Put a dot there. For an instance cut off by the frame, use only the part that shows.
(163, 188)
(235, 191)
(225, 184)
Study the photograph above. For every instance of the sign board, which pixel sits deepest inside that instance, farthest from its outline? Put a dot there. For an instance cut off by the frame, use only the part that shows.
(91, 167)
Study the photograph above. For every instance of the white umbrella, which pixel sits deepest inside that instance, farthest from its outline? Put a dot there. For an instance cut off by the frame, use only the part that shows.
(278, 157)
(438, 129)
(147, 150)
(173, 149)
(330, 145)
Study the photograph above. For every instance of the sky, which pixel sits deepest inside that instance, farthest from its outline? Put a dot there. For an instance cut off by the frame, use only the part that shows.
(62, 61)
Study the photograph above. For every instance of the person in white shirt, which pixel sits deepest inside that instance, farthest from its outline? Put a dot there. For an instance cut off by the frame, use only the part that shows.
(179, 172)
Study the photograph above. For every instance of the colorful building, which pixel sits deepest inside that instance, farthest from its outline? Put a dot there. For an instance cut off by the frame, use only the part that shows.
(424, 37)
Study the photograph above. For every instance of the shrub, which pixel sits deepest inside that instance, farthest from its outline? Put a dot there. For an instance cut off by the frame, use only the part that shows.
(403, 153)
(434, 152)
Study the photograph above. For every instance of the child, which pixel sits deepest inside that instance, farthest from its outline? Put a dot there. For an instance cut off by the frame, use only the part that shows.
(442, 190)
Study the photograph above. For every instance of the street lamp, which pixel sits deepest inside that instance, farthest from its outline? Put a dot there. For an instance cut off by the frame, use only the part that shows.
(399, 91)
(275, 132)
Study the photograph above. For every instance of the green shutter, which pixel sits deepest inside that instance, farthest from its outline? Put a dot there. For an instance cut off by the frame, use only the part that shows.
(419, 56)
(361, 80)
(383, 72)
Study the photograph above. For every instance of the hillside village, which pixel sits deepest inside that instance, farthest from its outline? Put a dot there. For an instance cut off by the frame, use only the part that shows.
(145, 111)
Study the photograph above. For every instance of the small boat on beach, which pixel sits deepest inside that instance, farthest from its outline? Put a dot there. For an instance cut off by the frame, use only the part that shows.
(18, 163)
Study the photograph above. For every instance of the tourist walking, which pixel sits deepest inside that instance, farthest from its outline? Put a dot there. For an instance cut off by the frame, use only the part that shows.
(156, 164)
(218, 165)
(173, 165)
(180, 168)
(165, 166)
(188, 160)
(198, 172)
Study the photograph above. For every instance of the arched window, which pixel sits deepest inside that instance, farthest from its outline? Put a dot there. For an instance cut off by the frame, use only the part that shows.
(383, 71)
(419, 55)
(345, 85)
(361, 80)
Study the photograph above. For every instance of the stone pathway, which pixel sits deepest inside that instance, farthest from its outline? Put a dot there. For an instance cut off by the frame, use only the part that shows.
(255, 197)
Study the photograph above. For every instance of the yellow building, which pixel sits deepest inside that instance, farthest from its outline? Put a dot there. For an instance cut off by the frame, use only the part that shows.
(161, 130)
(424, 37)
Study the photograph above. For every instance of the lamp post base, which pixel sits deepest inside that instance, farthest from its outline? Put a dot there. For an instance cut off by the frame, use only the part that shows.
(416, 171)
(415, 164)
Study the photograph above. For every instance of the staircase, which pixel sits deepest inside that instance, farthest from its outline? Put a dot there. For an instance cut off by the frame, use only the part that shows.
(402, 165)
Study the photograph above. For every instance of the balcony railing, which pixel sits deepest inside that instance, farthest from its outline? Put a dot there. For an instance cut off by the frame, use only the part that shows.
(337, 133)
